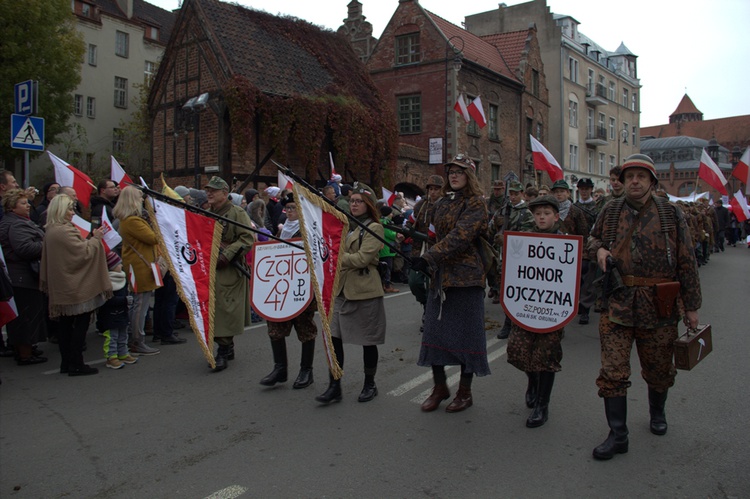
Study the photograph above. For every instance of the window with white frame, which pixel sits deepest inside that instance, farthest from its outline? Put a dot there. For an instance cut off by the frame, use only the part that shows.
(78, 104)
(602, 159)
(634, 102)
(573, 156)
(92, 54)
(612, 129)
(590, 84)
(121, 92)
(612, 160)
(122, 43)
(118, 141)
(590, 160)
(590, 122)
(91, 107)
(625, 97)
(612, 91)
(601, 121)
(149, 71)
(573, 113)
(635, 136)
(573, 69)
(152, 33)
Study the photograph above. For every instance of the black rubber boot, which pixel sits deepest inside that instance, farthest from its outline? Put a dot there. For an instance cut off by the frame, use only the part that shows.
(541, 409)
(279, 373)
(584, 319)
(221, 359)
(532, 391)
(332, 393)
(505, 331)
(656, 403)
(305, 376)
(369, 390)
(230, 351)
(616, 410)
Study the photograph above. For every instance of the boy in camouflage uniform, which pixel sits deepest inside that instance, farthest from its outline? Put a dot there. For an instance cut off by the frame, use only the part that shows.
(649, 241)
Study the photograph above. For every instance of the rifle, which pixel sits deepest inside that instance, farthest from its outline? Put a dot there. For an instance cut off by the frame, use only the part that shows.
(611, 280)
(409, 232)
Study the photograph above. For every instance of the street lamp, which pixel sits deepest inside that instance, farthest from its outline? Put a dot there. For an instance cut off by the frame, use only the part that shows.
(456, 60)
(192, 109)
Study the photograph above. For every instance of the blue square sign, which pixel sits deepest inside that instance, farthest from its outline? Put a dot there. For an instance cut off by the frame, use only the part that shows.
(26, 132)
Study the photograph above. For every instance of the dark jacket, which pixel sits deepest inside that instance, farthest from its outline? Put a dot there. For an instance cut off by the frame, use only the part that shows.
(459, 222)
(99, 204)
(114, 313)
(22, 244)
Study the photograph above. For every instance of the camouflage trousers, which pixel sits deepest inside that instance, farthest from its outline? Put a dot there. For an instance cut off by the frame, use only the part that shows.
(534, 352)
(655, 350)
(304, 324)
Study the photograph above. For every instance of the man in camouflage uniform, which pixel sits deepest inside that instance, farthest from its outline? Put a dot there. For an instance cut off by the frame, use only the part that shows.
(514, 217)
(649, 240)
(590, 208)
(497, 198)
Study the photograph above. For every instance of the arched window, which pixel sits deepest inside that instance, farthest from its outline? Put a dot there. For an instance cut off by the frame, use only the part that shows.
(686, 189)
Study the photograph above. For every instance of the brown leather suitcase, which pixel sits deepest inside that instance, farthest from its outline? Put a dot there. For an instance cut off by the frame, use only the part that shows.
(692, 347)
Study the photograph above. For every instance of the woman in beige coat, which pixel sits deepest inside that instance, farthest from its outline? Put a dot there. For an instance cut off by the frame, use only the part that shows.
(358, 312)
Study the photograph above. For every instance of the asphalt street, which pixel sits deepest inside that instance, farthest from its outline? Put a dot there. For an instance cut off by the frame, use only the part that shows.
(168, 427)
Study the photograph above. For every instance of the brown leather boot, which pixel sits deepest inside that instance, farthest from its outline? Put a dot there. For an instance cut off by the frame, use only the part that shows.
(462, 400)
(439, 393)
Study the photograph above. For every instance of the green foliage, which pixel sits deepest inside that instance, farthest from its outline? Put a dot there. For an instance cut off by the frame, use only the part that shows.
(136, 156)
(39, 42)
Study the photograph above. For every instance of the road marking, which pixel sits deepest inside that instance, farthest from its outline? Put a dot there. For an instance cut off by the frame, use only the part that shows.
(228, 493)
(452, 379)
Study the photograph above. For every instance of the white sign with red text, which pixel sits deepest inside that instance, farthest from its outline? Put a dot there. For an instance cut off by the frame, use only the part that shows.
(281, 288)
(541, 279)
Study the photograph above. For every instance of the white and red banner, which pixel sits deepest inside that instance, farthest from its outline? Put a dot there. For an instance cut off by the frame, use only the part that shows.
(284, 181)
(8, 309)
(117, 173)
(541, 279)
(742, 170)
(740, 207)
(710, 172)
(83, 226)
(388, 196)
(333, 169)
(191, 244)
(544, 161)
(67, 176)
(460, 107)
(281, 288)
(324, 231)
(476, 110)
(111, 237)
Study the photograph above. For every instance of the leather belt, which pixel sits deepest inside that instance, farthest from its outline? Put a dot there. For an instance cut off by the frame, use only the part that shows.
(631, 280)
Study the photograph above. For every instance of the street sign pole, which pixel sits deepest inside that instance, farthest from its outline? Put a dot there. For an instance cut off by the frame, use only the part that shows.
(26, 179)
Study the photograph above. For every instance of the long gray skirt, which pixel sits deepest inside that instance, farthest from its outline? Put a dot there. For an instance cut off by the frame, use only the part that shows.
(359, 322)
(458, 336)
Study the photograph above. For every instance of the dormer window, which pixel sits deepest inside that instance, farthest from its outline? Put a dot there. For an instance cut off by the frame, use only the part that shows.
(152, 33)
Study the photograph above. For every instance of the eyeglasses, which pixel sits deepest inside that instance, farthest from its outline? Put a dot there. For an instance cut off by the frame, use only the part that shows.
(456, 173)
(356, 201)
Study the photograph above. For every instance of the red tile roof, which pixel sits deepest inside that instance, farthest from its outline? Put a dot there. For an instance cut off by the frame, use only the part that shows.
(729, 132)
(475, 48)
(686, 106)
(143, 13)
(511, 45)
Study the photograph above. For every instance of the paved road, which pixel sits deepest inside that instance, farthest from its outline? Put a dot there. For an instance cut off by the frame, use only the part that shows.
(167, 427)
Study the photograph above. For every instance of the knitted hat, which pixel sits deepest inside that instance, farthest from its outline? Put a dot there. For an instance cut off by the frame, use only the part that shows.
(235, 198)
(545, 201)
(182, 191)
(113, 260)
(386, 210)
(250, 194)
(639, 161)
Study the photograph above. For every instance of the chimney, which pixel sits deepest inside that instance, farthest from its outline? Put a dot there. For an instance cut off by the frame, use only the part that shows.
(127, 7)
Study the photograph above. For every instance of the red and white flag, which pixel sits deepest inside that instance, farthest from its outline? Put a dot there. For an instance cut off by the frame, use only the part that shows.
(388, 196)
(334, 176)
(324, 231)
(740, 207)
(83, 226)
(8, 309)
(284, 181)
(111, 237)
(709, 172)
(431, 232)
(67, 176)
(544, 161)
(118, 174)
(190, 243)
(742, 170)
(133, 283)
(476, 110)
(461, 108)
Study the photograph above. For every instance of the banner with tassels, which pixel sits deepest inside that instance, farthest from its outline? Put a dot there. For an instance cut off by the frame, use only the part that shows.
(324, 231)
(191, 243)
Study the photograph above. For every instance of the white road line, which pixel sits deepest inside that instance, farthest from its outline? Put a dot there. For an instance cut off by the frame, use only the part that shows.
(228, 493)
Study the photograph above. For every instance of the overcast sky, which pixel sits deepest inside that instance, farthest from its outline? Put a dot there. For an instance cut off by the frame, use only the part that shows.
(692, 46)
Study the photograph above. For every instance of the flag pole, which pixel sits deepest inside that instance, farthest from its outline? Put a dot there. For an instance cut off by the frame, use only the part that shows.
(195, 209)
(288, 171)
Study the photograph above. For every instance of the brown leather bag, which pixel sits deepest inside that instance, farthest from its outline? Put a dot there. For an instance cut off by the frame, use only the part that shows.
(665, 298)
(692, 347)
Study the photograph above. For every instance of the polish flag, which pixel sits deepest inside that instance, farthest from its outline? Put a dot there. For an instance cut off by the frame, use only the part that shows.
(284, 182)
(544, 161)
(388, 196)
(143, 182)
(412, 219)
(461, 108)
(742, 170)
(334, 176)
(324, 231)
(709, 172)
(431, 232)
(133, 285)
(740, 207)
(476, 110)
(8, 309)
(111, 237)
(190, 242)
(67, 176)
(118, 174)
(83, 226)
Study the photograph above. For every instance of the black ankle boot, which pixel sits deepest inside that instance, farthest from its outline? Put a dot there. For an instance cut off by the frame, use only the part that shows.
(221, 359)
(305, 377)
(332, 393)
(541, 409)
(616, 409)
(532, 391)
(656, 402)
(369, 390)
(279, 373)
(230, 351)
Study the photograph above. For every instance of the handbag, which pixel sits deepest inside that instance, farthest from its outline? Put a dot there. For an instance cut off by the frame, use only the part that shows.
(160, 261)
(692, 347)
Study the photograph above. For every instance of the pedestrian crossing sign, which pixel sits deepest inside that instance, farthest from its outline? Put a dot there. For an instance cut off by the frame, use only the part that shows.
(26, 132)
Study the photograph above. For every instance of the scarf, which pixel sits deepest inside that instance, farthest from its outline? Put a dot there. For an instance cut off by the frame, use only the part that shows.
(117, 279)
(73, 272)
(289, 229)
(564, 208)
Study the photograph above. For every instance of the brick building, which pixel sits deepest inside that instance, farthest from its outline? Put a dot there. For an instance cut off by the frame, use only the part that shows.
(421, 63)
(239, 87)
